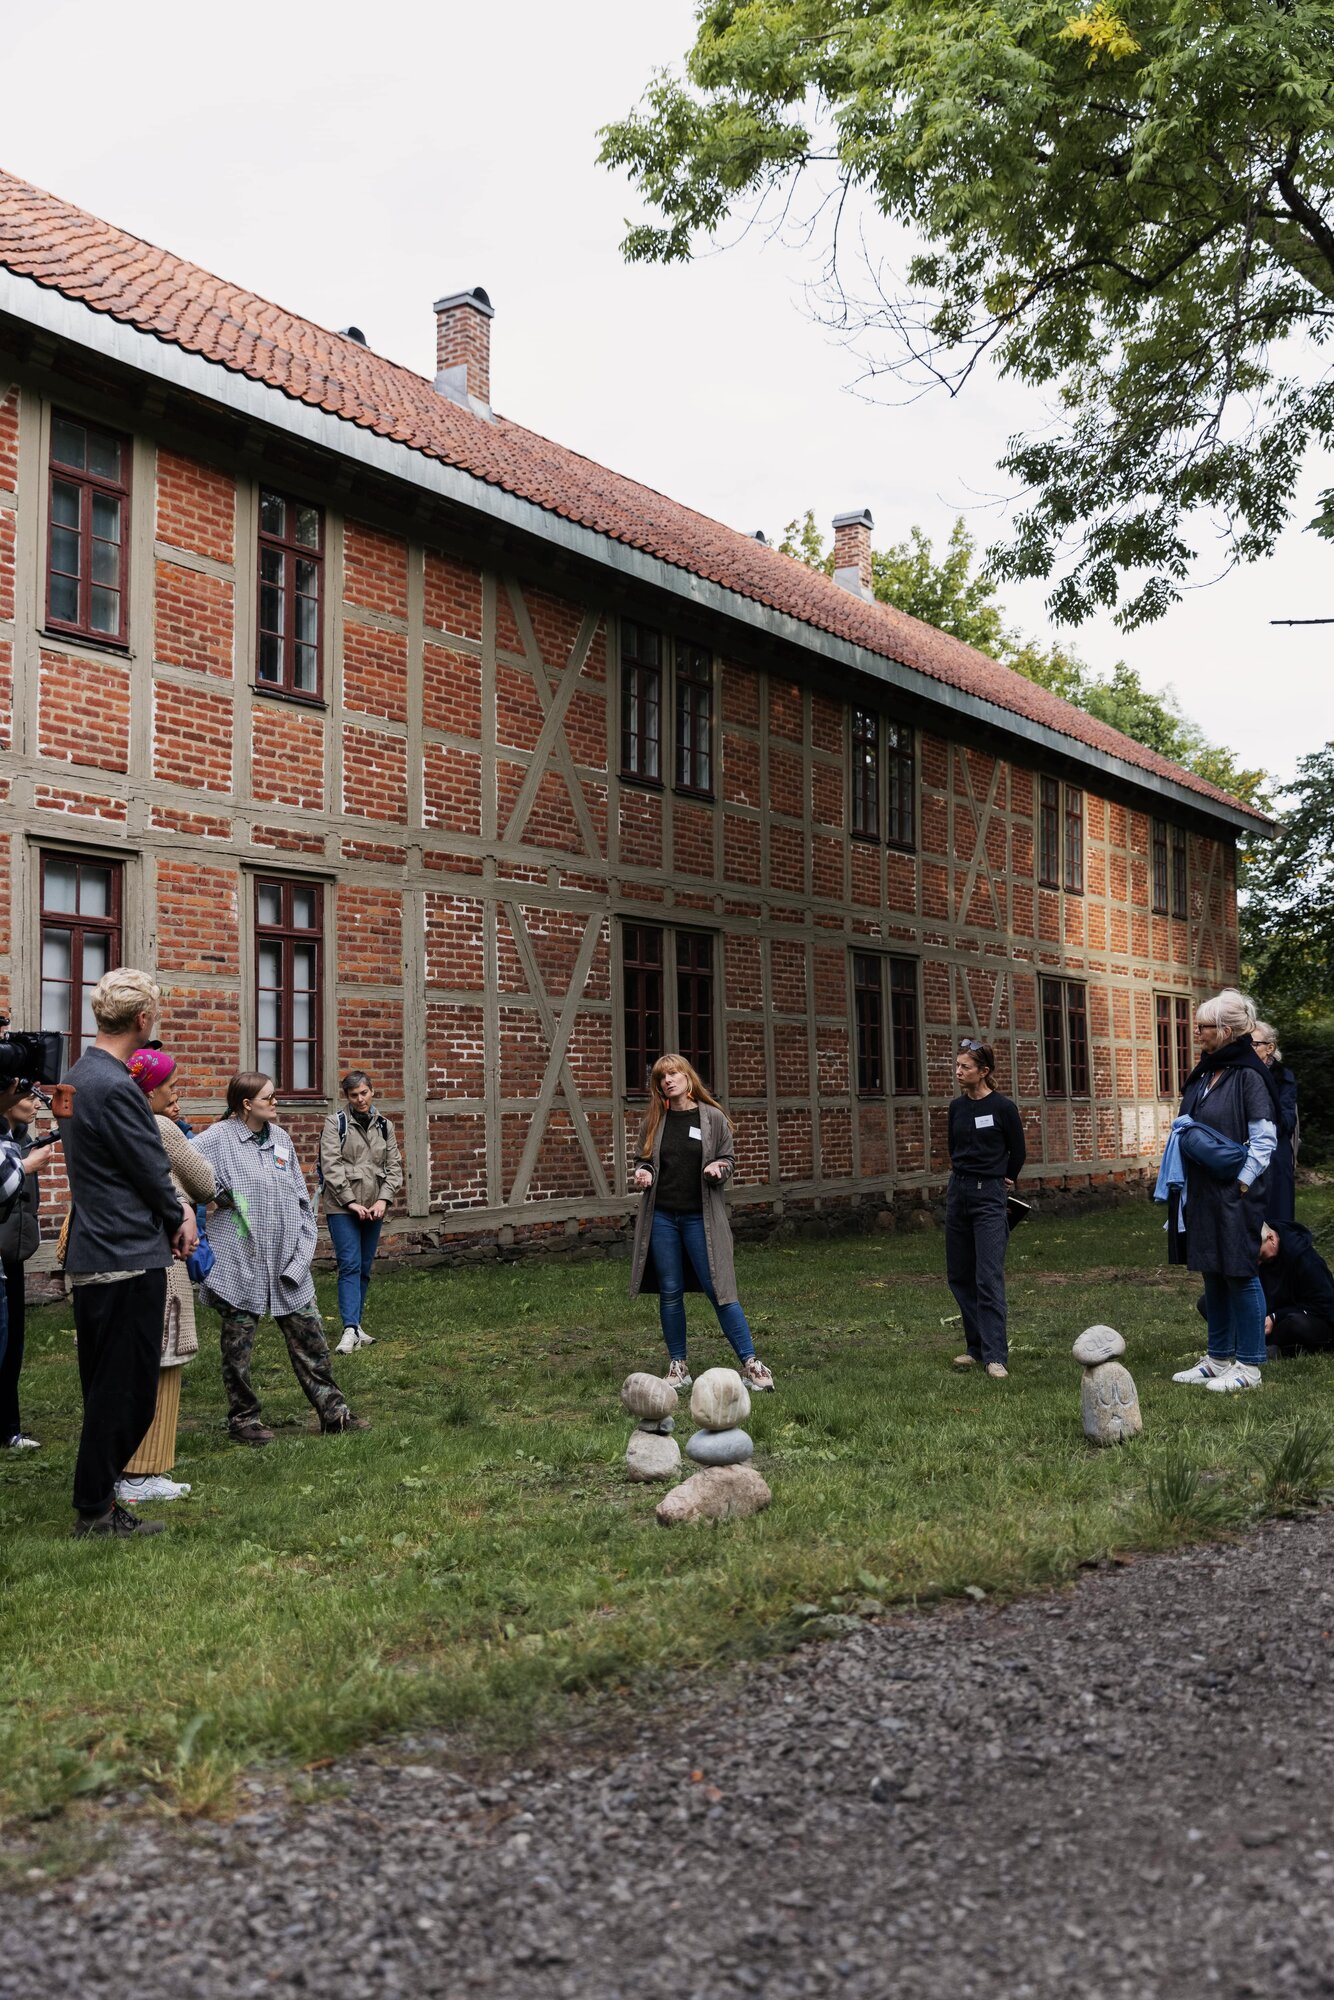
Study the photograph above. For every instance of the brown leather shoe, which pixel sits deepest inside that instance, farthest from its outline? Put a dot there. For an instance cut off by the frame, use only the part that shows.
(346, 1422)
(965, 1361)
(251, 1431)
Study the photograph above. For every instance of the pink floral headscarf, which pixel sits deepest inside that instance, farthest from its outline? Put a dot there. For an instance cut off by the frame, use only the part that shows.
(150, 1067)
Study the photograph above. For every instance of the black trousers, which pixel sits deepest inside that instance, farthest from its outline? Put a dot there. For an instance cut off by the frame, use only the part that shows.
(1294, 1331)
(12, 1362)
(976, 1234)
(119, 1329)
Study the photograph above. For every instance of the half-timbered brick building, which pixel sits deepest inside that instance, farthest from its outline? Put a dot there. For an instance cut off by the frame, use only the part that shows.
(391, 734)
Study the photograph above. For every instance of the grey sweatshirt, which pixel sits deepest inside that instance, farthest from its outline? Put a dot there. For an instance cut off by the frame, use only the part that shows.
(125, 1207)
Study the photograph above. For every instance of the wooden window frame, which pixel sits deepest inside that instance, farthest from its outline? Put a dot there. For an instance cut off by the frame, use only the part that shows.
(1180, 873)
(291, 552)
(287, 934)
(1073, 872)
(868, 1024)
(1078, 1066)
(905, 1028)
(1158, 870)
(900, 765)
(1063, 1014)
(1049, 833)
(662, 981)
(864, 774)
(1164, 1043)
(78, 926)
(1185, 1051)
(89, 485)
(640, 678)
(692, 700)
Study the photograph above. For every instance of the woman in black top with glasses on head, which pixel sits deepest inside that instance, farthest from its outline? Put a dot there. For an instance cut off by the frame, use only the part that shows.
(987, 1154)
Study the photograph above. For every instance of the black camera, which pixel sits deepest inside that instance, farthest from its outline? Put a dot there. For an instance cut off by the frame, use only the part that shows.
(30, 1058)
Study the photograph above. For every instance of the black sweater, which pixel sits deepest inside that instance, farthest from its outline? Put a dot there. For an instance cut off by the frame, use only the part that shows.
(987, 1137)
(680, 1164)
(1298, 1277)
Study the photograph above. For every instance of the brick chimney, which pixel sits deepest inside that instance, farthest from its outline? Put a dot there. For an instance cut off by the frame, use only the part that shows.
(463, 349)
(852, 552)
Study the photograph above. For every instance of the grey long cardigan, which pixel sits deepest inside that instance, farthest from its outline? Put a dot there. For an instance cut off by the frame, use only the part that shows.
(717, 1145)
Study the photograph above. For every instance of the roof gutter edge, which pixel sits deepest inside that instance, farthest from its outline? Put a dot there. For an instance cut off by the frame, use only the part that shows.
(34, 304)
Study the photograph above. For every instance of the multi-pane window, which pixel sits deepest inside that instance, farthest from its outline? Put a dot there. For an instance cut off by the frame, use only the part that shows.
(641, 702)
(1184, 1045)
(868, 1005)
(659, 1014)
(694, 719)
(291, 571)
(1049, 833)
(1172, 1043)
(869, 1021)
(1158, 846)
(289, 948)
(866, 774)
(87, 534)
(1065, 1038)
(1074, 840)
(81, 928)
(900, 826)
(1180, 879)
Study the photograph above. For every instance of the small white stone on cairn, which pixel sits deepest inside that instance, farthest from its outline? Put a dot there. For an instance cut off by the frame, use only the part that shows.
(1109, 1402)
(652, 1452)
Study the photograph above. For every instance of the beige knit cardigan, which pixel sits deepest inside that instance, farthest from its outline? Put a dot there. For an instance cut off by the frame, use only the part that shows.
(192, 1177)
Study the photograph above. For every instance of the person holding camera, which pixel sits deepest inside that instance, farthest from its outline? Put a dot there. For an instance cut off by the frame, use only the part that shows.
(360, 1173)
(127, 1223)
(20, 1234)
(987, 1154)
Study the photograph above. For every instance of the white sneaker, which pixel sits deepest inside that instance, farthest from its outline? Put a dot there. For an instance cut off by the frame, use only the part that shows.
(349, 1343)
(364, 1339)
(148, 1486)
(21, 1443)
(1238, 1376)
(1204, 1370)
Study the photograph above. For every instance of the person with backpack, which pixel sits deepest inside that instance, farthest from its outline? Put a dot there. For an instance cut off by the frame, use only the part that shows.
(360, 1173)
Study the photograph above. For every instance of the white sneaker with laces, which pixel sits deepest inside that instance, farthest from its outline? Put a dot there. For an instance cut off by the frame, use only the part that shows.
(21, 1443)
(1204, 1370)
(678, 1375)
(148, 1486)
(364, 1339)
(349, 1343)
(1239, 1376)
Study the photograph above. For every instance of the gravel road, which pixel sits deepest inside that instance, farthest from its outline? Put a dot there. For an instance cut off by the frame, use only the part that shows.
(1120, 1792)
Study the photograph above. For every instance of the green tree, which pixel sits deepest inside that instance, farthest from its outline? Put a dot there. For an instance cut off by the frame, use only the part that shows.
(956, 597)
(1287, 916)
(1122, 203)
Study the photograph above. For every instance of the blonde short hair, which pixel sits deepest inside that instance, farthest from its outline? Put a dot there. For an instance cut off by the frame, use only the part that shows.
(121, 996)
(1229, 1011)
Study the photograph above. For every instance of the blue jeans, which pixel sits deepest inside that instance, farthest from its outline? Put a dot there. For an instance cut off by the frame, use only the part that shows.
(354, 1243)
(1235, 1311)
(676, 1237)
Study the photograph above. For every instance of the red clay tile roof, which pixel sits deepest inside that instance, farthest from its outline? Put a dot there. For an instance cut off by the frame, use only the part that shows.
(112, 272)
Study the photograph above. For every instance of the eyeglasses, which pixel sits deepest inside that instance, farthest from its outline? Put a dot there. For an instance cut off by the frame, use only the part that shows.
(966, 1044)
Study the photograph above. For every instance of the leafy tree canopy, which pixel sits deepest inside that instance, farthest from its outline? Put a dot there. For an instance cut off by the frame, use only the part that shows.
(1287, 916)
(952, 594)
(1124, 203)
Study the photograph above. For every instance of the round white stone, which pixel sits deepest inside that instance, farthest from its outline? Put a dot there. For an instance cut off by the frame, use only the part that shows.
(720, 1399)
(649, 1456)
(647, 1396)
(1098, 1343)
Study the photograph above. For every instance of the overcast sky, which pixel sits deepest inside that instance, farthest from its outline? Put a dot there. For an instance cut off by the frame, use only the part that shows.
(355, 162)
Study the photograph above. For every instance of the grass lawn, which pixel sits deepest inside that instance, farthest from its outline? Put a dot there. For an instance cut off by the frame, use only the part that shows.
(478, 1554)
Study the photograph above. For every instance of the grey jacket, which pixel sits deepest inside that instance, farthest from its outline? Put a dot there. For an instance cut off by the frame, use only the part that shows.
(717, 1145)
(125, 1209)
(263, 1245)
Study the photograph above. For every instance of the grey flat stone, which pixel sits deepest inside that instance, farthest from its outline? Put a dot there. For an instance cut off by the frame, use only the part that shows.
(721, 1447)
(663, 1426)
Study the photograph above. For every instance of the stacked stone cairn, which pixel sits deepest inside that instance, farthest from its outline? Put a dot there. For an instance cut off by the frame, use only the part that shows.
(652, 1452)
(728, 1488)
(1108, 1399)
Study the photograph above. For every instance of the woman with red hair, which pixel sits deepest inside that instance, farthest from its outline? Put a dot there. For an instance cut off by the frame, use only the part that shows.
(683, 1239)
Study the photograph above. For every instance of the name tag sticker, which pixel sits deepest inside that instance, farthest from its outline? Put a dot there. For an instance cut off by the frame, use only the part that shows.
(695, 1132)
(279, 1157)
(985, 1120)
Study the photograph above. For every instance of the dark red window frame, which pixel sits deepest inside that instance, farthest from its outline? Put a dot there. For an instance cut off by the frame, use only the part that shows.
(1065, 1038)
(1180, 874)
(1185, 1048)
(694, 1001)
(642, 995)
(868, 1014)
(901, 787)
(865, 774)
(694, 720)
(1158, 846)
(77, 925)
(1049, 833)
(1164, 1042)
(641, 703)
(88, 487)
(282, 557)
(904, 1030)
(287, 936)
(1074, 840)
(1077, 1036)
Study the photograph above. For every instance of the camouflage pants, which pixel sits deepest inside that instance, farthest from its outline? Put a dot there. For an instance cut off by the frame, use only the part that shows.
(307, 1350)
